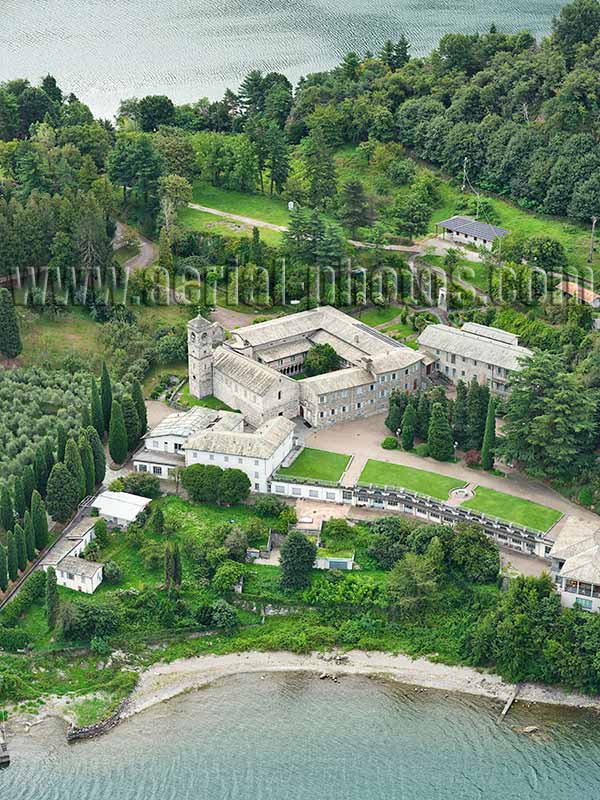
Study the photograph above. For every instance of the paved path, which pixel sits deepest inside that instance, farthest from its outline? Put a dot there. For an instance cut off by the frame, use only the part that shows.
(147, 256)
(259, 223)
(231, 319)
(362, 439)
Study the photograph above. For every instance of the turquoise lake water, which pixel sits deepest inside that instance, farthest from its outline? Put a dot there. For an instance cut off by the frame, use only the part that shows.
(294, 737)
(105, 50)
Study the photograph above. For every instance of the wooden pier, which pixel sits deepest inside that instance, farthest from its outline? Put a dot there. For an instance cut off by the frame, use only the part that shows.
(509, 703)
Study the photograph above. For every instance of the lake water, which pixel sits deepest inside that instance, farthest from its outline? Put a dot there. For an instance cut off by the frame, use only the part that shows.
(293, 737)
(105, 50)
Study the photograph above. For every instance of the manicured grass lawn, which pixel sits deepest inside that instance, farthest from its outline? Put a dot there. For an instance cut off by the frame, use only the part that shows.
(178, 368)
(415, 480)
(228, 228)
(317, 464)
(513, 509)
(467, 271)
(209, 401)
(257, 205)
(377, 316)
(399, 328)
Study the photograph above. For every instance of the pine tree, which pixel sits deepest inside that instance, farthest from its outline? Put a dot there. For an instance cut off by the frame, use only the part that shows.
(106, 396)
(97, 454)
(117, 435)
(3, 569)
(140, 405)
(61, 441)
(19, 497)
(477, 403)
(353, 211)
(489, 437)
(409, 422)
(40, 469)
(10, 338)
(29, 536)
(132, 422)
(75, 467)
(439, 439)
(39, 520)
(97, 412)
(12, 556)
(460, 420)
(28, 484)
(7, 514)
(87, 461)
(21, 544)
(398, 403)
(52, 601)
(63, 493)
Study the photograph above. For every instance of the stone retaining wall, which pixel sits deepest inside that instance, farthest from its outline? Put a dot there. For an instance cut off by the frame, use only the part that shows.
(98, 728)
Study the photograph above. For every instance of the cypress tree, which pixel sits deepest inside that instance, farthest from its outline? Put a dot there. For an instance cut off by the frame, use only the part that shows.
(132, 422)
(87, 461)
(49, 453)
(52, 601)
(28, 484)
(7, 514)
(40, 469)
(177, 572)
(63, 493)
(12, 556)
(29, 537)
(169, 566)
(477, 403)
(97, 454)
(140, 405)
(21, 544)
(423, 413)
(3, 569)
(460, 420)
(117, 435)
(19, 497)
(106, 395)
(75, 467)
(61, 441)
(97, 413)
(86, 417)
(439, 439)
(39, 520)
(489, 437)
(409, 422)
(10, 338)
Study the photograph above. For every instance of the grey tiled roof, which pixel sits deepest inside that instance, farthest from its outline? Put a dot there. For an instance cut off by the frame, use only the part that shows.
(474, 346)
(472, 227)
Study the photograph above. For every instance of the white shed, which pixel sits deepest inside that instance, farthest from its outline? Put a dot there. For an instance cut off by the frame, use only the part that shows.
(79, 574)
(120, 508)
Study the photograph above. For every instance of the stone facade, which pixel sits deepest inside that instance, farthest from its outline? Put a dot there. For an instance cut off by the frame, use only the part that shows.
(203, 337)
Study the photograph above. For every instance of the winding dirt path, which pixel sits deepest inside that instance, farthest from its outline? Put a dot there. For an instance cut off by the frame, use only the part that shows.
(148, 250)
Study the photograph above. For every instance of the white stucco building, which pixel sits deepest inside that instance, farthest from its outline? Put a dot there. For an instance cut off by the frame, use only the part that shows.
(466, 230)
(206, 436)
(258, 370)
(72, 571)
(575, 558)
(79, 574)
(490, 355)
(119, 508)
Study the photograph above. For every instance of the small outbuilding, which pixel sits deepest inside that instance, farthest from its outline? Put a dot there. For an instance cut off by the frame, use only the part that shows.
(466, 230)
(571, 289)
(79, 574)
(120, 508)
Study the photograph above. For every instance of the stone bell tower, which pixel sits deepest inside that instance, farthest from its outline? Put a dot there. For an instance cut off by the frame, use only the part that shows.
(203, 337)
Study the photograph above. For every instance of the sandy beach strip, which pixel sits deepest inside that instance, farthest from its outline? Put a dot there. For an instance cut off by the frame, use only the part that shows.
(164, 681)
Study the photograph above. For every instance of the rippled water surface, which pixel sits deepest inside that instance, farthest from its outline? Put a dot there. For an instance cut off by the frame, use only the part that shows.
(293, 737)
(104, 50)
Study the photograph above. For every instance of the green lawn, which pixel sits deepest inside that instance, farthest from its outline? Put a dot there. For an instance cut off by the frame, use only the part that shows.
(378, 316)
(513, 509)
(209, 401)
(123, 254)
(257, 205)
(415, 480)
(228, 228)
(399, 329)
(317, 464)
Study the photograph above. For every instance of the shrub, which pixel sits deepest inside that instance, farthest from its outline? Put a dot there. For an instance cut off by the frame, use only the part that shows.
(422, 450)
(224, 615)
(473, 458)
(112, 572)
(100, 647)
(33, 589)
(143, 484)
(12, 640)
(226, 576)
(269, 506)
(586, 496)
(390, 443)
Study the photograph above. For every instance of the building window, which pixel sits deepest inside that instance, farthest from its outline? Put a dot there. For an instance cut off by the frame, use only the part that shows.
(279, 395)
(212, 457)
(142, 468)
(157, 470)
(586, 605)
(313, 493)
